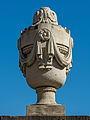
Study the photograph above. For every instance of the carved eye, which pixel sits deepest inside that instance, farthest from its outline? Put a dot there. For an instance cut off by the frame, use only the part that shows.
(63, 49)
(27, 50)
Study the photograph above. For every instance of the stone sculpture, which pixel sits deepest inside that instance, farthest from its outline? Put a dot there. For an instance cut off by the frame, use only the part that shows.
(45, 55)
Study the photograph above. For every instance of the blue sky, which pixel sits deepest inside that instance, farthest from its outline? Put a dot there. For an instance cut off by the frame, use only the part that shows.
(15, 94)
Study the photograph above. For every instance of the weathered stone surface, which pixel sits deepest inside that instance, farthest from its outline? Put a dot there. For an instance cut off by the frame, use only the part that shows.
(44, 117)
(45, 110)
(45, 55)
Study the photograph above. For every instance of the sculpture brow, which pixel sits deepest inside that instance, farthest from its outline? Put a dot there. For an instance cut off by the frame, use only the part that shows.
(61, 44)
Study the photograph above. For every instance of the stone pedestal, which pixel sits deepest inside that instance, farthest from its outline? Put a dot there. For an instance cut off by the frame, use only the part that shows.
(45, 110)
(46, 95)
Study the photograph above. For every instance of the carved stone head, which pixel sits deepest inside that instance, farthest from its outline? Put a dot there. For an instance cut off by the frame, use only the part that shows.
(45, 51)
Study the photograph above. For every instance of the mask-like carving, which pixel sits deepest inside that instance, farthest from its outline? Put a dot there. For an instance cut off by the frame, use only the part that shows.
(45, 51)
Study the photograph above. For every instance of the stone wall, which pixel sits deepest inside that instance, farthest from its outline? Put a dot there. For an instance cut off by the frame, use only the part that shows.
(44, 117)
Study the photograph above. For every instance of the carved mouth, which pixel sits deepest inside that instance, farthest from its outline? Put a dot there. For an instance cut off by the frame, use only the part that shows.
(63, 49)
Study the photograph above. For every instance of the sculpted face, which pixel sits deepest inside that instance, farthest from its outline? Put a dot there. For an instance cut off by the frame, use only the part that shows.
(45, 51)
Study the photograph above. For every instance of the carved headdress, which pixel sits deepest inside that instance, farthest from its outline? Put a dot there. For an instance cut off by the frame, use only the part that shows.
(45, 15)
